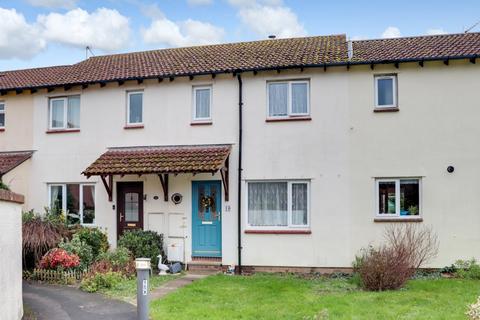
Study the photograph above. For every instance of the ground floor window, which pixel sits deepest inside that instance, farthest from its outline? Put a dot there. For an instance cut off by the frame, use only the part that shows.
(398, 197)
(75, 200)
(278, 204)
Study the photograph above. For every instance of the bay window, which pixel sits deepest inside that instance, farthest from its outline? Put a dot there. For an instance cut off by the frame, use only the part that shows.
(64, 113)
(278, 204)
(75, 200)
(398, 197)
(288, 99)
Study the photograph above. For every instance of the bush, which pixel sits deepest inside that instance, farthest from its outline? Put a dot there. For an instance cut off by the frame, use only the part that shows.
(3, 186)
(81, 249)
(119, 257)
(95, 238)
(119, 260)
(467, 269)
(143, 244)
(407, 247)
(59, 259)
(94, 282)
(473, 312)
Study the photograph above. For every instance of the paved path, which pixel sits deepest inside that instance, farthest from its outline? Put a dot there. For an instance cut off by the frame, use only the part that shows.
(173, 285)
(65, 303)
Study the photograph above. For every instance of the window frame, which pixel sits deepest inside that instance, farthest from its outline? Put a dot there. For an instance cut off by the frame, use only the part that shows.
(395, 90)
(4, 115)
(128, 122)
(397, 214)
(290, 225)
(194, 103)
(290, 113)
(64, 198)
(65, 113)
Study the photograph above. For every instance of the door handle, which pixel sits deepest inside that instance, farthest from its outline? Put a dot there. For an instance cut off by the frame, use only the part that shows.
(121, 217)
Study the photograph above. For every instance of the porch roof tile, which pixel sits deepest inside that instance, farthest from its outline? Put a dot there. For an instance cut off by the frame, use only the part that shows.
(160, 159)
(11, 159)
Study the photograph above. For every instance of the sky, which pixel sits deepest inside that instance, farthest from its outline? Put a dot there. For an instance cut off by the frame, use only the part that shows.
(36, 33)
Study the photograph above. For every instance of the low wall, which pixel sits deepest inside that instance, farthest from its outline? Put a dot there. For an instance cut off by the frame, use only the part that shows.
(11, 305)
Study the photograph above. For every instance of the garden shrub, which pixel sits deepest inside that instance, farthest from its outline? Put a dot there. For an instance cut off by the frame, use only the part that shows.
(388, 267)
(143, 244)
(81, 249)
(473, 312)
(119, 260)
(95, 281)
(59, 259)
(4, 186)
(467, 269)
(95, 238)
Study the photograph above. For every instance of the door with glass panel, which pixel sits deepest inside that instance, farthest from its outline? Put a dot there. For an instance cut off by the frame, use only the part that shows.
(129, 206)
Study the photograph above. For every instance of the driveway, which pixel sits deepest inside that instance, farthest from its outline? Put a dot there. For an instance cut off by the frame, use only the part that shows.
(65, 303)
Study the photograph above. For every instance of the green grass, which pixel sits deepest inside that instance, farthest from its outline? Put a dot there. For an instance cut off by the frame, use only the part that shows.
(127, 290)
(289, 297)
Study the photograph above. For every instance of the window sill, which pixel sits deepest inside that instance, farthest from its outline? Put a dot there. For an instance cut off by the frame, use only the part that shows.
(278, 231)
(136, 126)
(388, 109)
(62, 131)
(419, 219)
(201, 123)
(288, 119)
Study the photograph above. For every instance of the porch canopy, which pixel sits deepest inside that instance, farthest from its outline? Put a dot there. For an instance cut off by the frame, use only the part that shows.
(162, 161)
(9, 160)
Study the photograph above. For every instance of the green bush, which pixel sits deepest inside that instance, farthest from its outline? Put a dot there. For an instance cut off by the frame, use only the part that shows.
(95, 238)
(97, 281)
(119, 257)
(3, 186)
(81, 249)
(143, 244)
(467, 269)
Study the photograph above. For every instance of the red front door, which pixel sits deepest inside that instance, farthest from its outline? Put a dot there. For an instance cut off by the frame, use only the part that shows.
(129, 206)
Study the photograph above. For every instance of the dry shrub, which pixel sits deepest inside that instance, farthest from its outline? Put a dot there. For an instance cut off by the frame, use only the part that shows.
(388, 267)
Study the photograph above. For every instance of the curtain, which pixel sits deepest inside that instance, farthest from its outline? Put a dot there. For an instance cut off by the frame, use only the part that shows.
(385, 92)
(267, 204)
(88, 201)
(299, 203)
(278, 99)
(56, 199)
(57, 114)
(73, 112)
(202, 101)
(299, 98)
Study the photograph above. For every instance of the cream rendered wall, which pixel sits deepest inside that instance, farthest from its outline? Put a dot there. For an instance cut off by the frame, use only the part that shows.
(18, 181)
(437, 126)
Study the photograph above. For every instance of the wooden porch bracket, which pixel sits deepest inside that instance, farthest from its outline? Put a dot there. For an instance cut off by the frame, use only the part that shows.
(225, 178)
(164, 182)
(108, 186)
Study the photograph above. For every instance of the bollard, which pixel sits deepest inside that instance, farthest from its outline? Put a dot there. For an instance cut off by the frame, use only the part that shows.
(143, 273)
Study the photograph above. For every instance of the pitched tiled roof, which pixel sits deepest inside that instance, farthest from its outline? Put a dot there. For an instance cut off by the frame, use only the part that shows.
(417, 48)
(255, 55)
(10, 160)
(160, 159)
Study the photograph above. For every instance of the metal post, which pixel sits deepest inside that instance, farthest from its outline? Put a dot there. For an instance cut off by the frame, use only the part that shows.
(143, 273)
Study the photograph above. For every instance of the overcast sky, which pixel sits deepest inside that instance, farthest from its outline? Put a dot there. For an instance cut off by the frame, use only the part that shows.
(36, 33)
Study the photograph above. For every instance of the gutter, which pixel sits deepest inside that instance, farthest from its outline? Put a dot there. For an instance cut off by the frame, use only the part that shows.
(239, 192)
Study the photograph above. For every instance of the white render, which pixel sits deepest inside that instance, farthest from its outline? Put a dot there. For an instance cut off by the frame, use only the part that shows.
(341, 151)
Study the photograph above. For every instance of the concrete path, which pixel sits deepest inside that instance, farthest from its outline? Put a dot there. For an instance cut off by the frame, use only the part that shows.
(65, 303)
(173, 285)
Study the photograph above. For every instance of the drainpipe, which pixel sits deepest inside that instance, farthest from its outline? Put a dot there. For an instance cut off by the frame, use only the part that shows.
(240, 138)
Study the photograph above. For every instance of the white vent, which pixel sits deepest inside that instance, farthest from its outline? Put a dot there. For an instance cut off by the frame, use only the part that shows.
(350, 49)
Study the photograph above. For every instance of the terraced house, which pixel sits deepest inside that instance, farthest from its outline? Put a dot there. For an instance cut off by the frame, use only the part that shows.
(266, 154)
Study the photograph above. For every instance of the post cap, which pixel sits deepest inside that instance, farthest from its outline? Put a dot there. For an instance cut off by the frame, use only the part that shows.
(142, 263)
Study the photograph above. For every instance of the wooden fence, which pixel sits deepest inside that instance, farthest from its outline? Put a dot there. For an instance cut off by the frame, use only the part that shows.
(57, 276)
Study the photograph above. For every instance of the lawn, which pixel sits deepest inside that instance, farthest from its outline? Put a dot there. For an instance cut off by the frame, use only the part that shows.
(289, 297)
(127, 289)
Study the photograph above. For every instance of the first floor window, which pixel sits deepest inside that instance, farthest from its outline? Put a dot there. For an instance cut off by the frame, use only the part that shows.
(65, 113)
(134, 107)
(386, 91)
(398, 197)
(76, 201)
(202, 100)
(2, 115)
(288, 98)
(278, 204)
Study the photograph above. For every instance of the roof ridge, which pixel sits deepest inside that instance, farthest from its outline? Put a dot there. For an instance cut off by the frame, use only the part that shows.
(420, 36)
(37, 68)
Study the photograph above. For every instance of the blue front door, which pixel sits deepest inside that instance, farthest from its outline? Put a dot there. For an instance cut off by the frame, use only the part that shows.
(206, 219)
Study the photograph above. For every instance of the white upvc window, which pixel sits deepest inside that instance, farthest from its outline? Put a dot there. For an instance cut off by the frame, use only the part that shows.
(134, 108)
(278, 204)
(386, 91)
(64, 113)
(2, 115)
(75, 200)
(202, 103)
(398, 197)
(288, 98)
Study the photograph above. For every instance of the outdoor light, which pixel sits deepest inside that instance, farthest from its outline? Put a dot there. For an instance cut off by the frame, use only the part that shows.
(450, 169)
